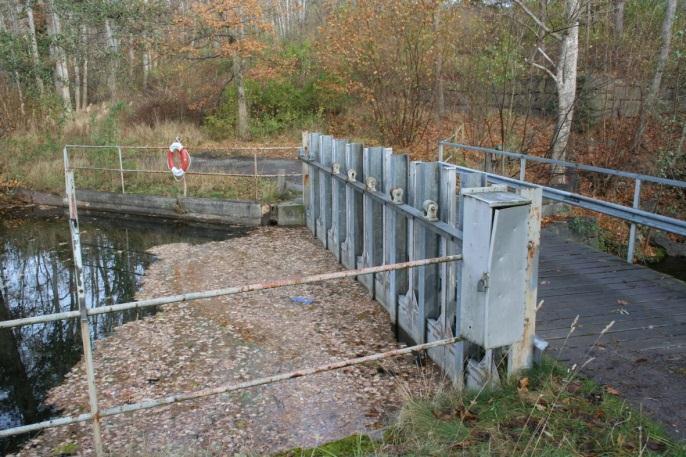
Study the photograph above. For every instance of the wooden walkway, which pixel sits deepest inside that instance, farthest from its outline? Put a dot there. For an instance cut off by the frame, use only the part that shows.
(643, 354)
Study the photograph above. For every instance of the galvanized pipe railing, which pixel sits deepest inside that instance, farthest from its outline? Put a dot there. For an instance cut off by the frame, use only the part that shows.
(255, 175)
(228, 291)
(223, 388)
(634, 215)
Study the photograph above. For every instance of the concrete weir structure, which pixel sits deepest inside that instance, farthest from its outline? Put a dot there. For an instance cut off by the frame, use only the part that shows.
(188, 209)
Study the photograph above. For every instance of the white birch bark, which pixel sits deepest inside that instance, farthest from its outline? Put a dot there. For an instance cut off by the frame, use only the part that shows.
(61, 72)
(113, 50)
(31, 29)
(566, 72)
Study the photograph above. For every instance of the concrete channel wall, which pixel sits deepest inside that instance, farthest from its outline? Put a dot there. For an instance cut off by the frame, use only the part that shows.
(191, 209)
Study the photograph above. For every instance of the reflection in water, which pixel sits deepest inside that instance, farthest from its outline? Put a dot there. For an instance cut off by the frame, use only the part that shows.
(37, 277)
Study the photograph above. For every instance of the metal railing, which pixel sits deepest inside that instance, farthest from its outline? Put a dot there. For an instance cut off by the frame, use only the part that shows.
(632, 214)
(255, 175)
(83, 313)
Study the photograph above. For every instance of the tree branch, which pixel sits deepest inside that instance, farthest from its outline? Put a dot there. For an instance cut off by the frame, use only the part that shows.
(540, 23)
(541, 67)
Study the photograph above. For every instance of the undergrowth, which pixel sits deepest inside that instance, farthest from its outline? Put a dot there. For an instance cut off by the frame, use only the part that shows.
(548, 411)
(34, 159)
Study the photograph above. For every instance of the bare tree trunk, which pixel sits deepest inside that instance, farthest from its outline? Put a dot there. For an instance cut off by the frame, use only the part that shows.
(84, 78)
(31, 27)
(77, 84)
(440, 86)
(113, 50)
(61, 73)
(619, 19)
(242, 103)
(146, 66)
(565, 79)
(654, 89)
(132, 57)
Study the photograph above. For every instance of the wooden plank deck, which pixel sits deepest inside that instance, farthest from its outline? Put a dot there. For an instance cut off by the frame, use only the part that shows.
(643, 354)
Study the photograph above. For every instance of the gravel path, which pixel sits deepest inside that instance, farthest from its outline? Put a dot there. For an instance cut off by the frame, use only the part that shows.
(235, 338)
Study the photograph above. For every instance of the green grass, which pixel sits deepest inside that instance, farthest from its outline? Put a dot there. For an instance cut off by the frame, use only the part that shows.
(545, 412)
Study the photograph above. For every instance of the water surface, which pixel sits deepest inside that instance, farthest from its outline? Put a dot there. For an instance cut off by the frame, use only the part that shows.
(37, 277)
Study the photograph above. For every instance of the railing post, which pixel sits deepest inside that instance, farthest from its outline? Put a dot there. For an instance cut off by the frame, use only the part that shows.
(522, 169)
(121, 170)
(441, 151)
(632, 230)
(84, 322)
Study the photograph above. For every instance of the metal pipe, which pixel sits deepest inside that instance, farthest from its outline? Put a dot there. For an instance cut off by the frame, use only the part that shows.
(522, 169)
(626, 213)
(83, 312)
(632, 230)
(121, 170)
(229, 387)
(221, 148)
(573, 165)
(230, 291)
(199, 173)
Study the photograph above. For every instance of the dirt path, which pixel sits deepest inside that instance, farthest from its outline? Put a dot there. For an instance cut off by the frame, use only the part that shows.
(236, 338)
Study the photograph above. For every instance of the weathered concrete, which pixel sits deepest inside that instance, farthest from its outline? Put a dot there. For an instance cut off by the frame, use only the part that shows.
(183, 208)
(289, 214)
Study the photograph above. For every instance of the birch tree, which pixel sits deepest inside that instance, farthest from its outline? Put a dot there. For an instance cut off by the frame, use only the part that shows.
(563, 71)
(31, 31)
(59, 57)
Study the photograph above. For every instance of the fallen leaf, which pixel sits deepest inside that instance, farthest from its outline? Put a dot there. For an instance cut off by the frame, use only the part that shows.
(611, 390)
(573, 387)
(523, 385)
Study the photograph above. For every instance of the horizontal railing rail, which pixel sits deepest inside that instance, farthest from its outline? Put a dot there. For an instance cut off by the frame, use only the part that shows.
(195, 148)
(255, 175)
(224, 388)
(566, 164)
(192, 173)
(189, 296)
(632, 214)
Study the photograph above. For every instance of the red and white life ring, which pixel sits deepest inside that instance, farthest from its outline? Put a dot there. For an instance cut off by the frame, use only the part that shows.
(177, 148)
